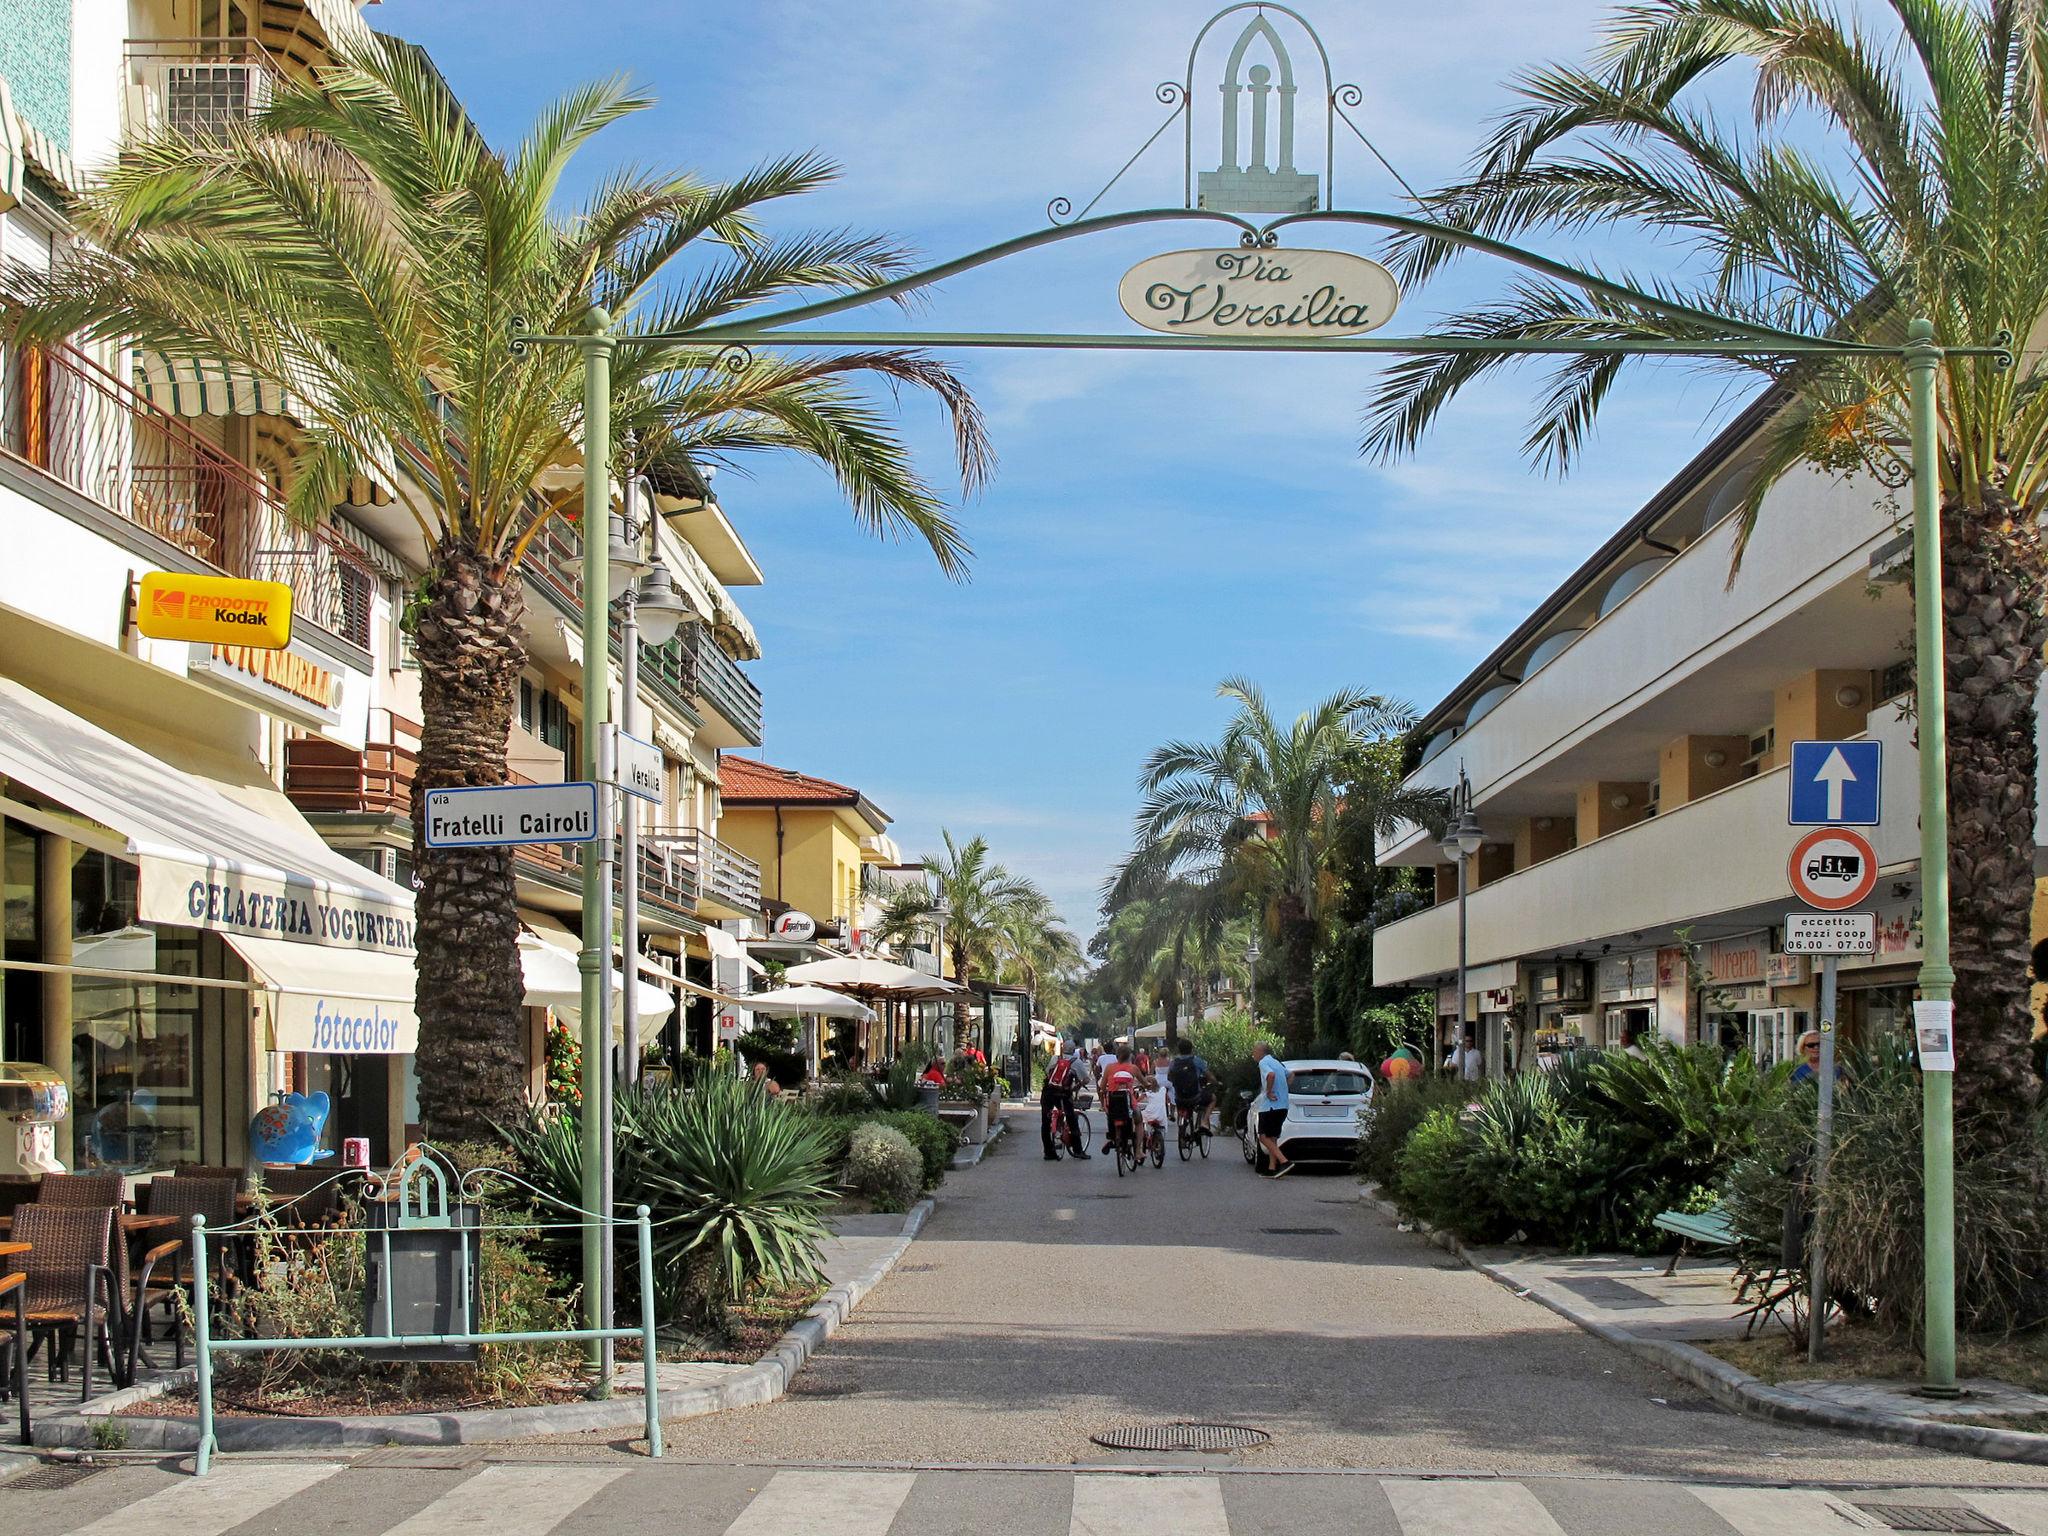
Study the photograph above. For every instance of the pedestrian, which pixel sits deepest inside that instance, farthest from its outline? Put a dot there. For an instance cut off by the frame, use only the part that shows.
(1058, 1094)
(1808, 1070)
(1271, 1107)
(1465, 1059)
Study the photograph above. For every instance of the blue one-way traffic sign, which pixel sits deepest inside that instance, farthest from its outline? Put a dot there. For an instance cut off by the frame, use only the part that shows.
(1835, 783)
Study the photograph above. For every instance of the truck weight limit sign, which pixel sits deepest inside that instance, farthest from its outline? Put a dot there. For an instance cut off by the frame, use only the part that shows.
(1832, 868)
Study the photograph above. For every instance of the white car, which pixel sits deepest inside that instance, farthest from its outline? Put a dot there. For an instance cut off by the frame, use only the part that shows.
(1327, 1103)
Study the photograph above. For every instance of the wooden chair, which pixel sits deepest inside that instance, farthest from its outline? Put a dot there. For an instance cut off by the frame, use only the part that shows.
(233, 1173)
(80, 1189)
(69, 1287)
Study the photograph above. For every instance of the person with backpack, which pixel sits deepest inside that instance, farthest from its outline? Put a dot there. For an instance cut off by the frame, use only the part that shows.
(1189, 1079)
(1061, 1078)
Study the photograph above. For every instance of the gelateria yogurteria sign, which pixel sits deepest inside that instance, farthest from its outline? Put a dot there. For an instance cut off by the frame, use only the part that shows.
(1259, 293)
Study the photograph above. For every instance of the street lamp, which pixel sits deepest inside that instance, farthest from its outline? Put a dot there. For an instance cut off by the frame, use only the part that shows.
(1463, 837)
(1251, 960)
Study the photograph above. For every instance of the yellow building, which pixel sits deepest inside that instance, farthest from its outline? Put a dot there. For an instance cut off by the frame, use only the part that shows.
(810, 837)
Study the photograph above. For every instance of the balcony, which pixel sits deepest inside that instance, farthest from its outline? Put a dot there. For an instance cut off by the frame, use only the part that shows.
(68, 418)
(689, 670)
(199, 87)
(724, 874)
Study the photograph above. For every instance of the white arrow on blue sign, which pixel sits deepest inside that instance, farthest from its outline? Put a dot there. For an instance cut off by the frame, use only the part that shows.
(1836, 783)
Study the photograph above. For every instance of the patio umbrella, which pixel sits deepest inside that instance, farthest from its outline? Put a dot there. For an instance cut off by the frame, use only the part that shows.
(868, 976)
(788, 1001)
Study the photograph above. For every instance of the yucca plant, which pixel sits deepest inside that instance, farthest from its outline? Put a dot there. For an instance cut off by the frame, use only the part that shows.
(735, 1182)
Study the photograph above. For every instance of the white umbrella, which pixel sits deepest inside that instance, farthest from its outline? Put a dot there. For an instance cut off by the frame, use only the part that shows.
(788, 1001)
(867, 973)
(554, 981)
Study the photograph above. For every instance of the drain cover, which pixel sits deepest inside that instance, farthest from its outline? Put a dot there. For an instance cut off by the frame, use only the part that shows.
(1180, 1436)
(1299, 1231)
(54, 1476)
(1934, 1517)
(423, 1458)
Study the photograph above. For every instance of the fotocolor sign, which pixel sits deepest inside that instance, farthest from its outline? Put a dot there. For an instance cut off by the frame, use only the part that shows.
(1252, 294)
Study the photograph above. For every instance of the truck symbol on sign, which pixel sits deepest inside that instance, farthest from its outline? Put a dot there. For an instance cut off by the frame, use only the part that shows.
(1835, 866)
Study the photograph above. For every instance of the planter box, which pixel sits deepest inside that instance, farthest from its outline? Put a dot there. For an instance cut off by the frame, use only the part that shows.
(970, 1115)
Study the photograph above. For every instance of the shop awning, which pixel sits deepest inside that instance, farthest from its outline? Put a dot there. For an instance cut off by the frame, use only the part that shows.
(12, 160)
(337, 1001)
(206, 861)
(554, 981)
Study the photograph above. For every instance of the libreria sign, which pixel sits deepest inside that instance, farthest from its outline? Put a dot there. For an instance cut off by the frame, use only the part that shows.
(1259, 293)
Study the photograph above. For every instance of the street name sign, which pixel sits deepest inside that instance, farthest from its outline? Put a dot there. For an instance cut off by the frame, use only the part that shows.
(636, 765)
(1830, 933)
(512, 813)
(1248, 294)
(1832, 868)
(1835, 783)
(215, 610)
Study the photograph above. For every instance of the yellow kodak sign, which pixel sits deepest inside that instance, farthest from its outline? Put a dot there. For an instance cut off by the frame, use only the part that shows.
(219, 610)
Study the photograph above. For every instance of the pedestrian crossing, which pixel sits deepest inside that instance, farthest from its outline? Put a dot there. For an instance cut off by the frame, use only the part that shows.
(622, 1497)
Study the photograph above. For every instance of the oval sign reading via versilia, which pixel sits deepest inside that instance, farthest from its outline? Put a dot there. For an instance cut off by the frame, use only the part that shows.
(1247, 293)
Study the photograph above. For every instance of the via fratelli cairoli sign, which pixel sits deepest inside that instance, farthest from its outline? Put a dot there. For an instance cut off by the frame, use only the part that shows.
(1259, 293)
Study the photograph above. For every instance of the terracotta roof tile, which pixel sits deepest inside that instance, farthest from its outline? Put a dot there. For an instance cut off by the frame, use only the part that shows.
(743, 780)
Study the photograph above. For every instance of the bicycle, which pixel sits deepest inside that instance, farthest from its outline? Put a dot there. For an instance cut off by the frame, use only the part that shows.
(1155, 1144)
(1083, 1133)
(1128, 1153)
(1248, 1129)
(1192, 1133)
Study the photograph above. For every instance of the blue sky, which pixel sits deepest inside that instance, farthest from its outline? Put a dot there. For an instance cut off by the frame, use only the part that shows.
(1155, 524)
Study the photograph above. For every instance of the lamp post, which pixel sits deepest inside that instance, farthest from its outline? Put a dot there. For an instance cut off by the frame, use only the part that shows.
(1251, 961)
(1463, 837)
(941, 910)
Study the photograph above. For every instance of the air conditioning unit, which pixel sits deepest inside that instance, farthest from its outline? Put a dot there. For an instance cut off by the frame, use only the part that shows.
(201, 100)
(1760, 747)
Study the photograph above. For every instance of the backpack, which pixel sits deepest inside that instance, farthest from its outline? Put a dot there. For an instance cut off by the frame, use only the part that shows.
(1185, 1077)
(1062, 1070)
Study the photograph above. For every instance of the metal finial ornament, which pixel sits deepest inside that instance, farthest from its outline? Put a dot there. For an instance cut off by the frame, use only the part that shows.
(734, 357)
(520, 329)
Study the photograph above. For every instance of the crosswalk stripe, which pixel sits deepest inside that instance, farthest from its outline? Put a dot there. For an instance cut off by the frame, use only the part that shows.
(511, 1501)
(824, 1504)
(1784, 1511)
(2026, 1513)
(1429, 1507)
(205, 1506)
(1106, 1504)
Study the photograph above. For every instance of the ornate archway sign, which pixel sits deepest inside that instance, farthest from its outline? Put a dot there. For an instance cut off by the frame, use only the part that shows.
(1202, 303)
(1259, 291)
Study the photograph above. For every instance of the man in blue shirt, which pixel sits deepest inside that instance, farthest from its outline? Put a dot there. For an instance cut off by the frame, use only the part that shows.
(1271, 1108)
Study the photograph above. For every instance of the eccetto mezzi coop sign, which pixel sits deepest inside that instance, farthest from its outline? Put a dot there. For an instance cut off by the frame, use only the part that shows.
(1259, 293)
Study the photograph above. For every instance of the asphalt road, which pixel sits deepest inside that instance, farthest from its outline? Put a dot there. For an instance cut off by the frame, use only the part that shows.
(1046, 1301)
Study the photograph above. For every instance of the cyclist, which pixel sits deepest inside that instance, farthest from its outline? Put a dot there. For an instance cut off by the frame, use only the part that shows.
(1156, 1101)
(1119, 1096)
(1189, 1078)
(1061, 1079)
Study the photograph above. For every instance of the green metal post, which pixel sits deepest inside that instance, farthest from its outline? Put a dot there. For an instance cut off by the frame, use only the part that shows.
(649, 1366)
(1937, 980)
(596, 346)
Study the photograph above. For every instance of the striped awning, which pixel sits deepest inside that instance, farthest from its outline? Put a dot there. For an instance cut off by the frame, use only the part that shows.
(12, 162)
(46, 158)
(186, 387)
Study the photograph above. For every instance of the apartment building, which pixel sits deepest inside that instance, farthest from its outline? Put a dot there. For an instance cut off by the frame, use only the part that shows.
(186, 921)
(1627, 747)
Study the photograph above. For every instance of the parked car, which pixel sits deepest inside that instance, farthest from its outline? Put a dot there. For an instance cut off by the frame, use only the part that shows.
(1327, 1102)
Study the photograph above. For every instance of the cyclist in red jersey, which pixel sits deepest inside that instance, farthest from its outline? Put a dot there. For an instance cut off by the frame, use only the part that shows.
(1119, 1095)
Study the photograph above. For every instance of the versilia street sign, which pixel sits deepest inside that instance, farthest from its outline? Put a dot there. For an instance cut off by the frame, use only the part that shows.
(514, 813)
(636, 765)
(1836, 783)
(1830, 933)
(218, 610)
(1270, 292)
(1832, 868)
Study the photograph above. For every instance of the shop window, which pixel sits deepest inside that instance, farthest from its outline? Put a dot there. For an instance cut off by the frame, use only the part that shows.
(21, 1024)
(135, 1049)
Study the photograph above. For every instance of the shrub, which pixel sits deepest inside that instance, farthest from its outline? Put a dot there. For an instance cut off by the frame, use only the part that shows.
(1872, 1205)
(735, 1181)
(1397, 1108)
(882, 1164)
(1226, 1043)
(1431, 1181)
(933, 1139)
(844, 1095)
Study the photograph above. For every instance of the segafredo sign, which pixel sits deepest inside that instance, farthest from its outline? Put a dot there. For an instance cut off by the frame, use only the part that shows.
(1259, 293)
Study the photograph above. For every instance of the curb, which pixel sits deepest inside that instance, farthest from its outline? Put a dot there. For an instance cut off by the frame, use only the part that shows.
(762, 1382)
(964, 1158)
(1737, 1389)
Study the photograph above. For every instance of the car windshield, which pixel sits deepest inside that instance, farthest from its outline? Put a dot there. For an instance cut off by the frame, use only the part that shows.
(1325, 1080)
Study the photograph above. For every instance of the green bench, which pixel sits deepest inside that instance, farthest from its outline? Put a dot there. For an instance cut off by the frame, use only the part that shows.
(1705, 1231)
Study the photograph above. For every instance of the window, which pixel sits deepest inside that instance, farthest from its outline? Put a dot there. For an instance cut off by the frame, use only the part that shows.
(1320, 1080)
(21, 1023)
(358, 589)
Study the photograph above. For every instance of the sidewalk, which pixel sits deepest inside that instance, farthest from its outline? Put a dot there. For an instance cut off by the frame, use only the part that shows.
(1631, 1303)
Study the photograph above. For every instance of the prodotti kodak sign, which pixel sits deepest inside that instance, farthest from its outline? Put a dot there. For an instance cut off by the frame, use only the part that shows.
(222, 610)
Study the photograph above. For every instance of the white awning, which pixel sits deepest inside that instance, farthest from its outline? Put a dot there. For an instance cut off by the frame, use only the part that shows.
(336, 1001)
(725, 946)
(206, 861)
(12, 161)
(554, 981)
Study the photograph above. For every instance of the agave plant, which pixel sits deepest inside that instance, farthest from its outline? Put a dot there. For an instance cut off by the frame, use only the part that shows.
(735, 1182)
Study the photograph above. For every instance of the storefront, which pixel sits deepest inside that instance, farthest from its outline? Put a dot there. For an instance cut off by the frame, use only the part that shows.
(1877, 990)
(1740, 1009)
(1562, 994)
(179, 954)
(1627, 986)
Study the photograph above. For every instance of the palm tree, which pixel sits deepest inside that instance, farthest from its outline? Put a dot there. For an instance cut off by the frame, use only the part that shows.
(1927, 197)
(1261, 803)
(1174, 937)
(385, 302)
(971, 898)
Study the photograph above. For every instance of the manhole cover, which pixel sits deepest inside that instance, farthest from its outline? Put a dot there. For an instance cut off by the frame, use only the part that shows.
(1109, 1197)
(1934, 1517)
(1299, 1231)
(1180, 1437)
(57, 1475)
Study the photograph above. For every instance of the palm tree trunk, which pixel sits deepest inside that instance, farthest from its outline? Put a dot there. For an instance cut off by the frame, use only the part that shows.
(468, 992)
(1173, 996)
(1994, 581)
(1297, 972)
(961, 974)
